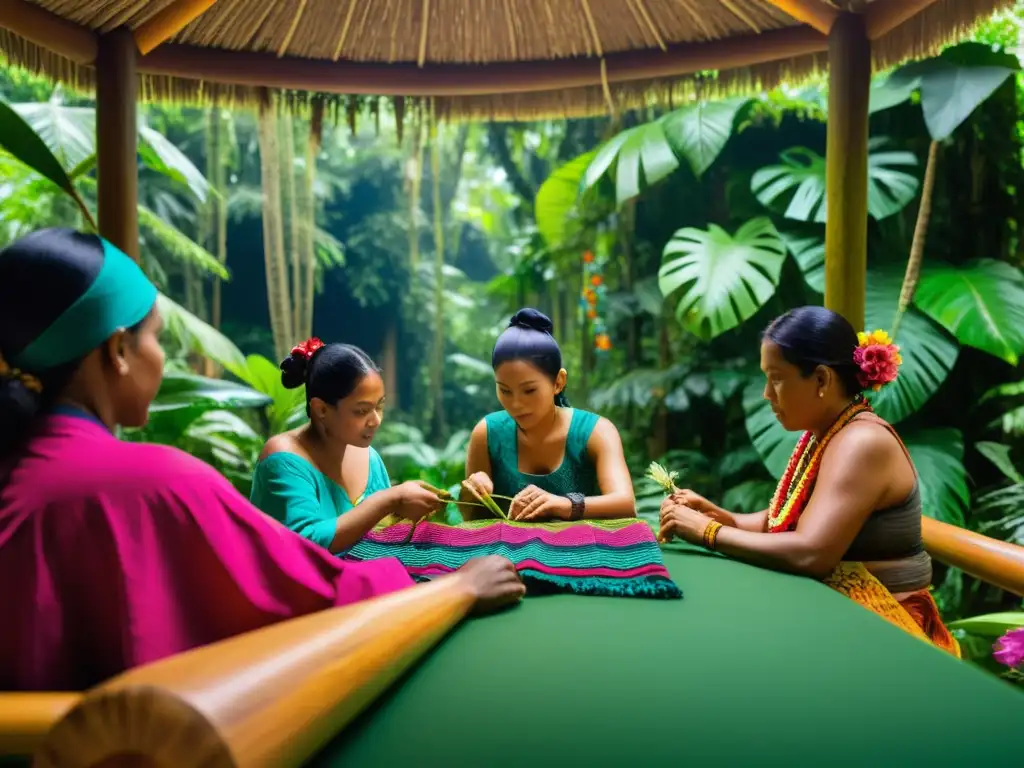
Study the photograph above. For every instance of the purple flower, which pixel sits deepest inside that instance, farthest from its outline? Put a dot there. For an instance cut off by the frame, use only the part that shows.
(1009, 649)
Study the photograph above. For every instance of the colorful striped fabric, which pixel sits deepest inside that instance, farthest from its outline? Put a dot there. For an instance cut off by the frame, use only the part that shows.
(590, 557)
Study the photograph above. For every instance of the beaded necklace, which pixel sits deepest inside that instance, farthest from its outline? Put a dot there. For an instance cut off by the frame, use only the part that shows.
(794, 488)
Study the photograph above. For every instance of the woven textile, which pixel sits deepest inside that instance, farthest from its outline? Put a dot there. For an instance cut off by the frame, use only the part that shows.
(591, 557)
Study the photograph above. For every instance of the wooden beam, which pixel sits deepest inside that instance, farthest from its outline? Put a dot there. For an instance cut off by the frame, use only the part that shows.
(881, 18)
(813, 13)
(43, 28)
(846, 169)
(117, 176)
(169, 22)
(995, 562)
(273, 696)
(407, 79)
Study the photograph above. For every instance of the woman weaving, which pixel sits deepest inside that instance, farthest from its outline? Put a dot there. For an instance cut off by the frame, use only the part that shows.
(553, 461)
(115, 554)
(323, 480)
(848, 507)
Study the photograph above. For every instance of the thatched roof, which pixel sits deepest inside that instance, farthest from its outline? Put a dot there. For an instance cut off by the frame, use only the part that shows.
(476, 58)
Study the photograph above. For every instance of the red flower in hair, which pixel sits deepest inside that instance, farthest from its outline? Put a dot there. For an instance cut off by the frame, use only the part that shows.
(307, 348)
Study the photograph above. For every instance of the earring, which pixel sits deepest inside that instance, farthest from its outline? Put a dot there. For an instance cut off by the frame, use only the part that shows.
(820, 393)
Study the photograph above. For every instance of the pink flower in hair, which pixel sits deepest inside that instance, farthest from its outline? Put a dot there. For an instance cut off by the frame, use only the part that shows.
(878, 358)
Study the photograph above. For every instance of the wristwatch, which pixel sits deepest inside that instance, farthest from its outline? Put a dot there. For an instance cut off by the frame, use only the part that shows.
(579, 505)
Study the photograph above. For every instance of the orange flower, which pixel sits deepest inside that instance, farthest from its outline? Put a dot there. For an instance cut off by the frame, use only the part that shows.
(588, 257)
(590, 296)
(602, 342)
(591, 314)
(595, 280)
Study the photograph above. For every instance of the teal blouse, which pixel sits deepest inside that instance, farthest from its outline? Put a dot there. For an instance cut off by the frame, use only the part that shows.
(576, 473)
(293, 491)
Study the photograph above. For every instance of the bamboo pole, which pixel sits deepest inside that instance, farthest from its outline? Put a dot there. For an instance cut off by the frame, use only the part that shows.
(846, 164)
(169, 22)
(273, 697)
(117, 177)
(814, 13)
(995, 562)
(25, 719)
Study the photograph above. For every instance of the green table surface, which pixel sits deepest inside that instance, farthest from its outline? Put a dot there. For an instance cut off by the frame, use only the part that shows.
(750, 668)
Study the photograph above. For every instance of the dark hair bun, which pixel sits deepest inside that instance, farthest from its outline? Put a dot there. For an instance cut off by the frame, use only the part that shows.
(293, 370)
(533, 319)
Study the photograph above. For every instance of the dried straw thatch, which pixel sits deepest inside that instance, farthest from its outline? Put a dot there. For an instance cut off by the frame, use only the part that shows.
(544, 57)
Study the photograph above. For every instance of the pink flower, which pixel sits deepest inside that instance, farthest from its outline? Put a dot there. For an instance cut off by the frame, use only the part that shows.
(1009, 649)
(878, 363)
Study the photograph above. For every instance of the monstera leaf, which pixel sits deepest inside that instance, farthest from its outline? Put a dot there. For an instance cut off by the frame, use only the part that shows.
(699, 132)
(952, 85)
(638, 156)
(809, 252)
(937, 454)
(801, 180)
(981, 303)
(557, 198)
(724, 278)
(928, 352)
(647, 153)
(773, 443)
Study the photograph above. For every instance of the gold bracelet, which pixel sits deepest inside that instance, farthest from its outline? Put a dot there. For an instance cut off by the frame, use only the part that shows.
(711, 534)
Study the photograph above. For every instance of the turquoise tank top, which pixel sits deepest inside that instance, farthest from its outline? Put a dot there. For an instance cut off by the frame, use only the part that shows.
(297, 494)
(576, 473)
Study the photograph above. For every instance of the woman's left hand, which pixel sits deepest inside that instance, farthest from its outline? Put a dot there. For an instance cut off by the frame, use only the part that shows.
(679, 520)
(532, 504)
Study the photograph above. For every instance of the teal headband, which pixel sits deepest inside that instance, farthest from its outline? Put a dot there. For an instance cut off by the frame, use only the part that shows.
(120, 297)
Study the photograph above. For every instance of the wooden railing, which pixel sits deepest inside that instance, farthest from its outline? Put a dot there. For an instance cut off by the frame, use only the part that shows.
(277, 695)
(995, 562)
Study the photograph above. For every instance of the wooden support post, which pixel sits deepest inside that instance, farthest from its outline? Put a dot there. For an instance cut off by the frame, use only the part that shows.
(117, 140)
(846, 174)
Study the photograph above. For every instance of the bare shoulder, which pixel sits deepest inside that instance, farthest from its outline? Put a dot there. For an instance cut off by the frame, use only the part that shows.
(604, 435)
(286, 442)
(860, 446)
(479, 431)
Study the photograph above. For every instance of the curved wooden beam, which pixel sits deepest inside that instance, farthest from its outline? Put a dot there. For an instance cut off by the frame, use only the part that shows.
(995, 562)
(49, 30)
(274, 696)
(813, 13)
(169, 22)
(407, 79)
(25, 719)
(882, 18)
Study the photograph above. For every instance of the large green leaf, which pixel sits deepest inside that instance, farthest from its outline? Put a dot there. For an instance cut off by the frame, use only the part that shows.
(993, 625)
(180, 391)
(69, 132)
(725, 279)
(288, 406)
(928, 352)
(809, 252)
(938, 455)
(639, 156)
(200, 336)
(162, 156)
(699, 132)
(800, 180)
(981, 303)
(773, 443)
(18, 138)
(557, 198)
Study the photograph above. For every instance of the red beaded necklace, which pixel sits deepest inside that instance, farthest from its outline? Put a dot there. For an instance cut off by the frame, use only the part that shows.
(797, 481)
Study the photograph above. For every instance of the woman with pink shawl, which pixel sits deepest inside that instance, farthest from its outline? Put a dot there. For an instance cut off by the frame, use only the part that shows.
(116, 554)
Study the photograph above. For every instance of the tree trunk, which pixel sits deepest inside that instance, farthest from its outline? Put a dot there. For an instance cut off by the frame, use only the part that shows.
(273, 234)
(924, 212)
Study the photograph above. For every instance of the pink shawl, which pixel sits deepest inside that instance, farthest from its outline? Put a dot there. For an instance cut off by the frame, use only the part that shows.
(116, 554)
